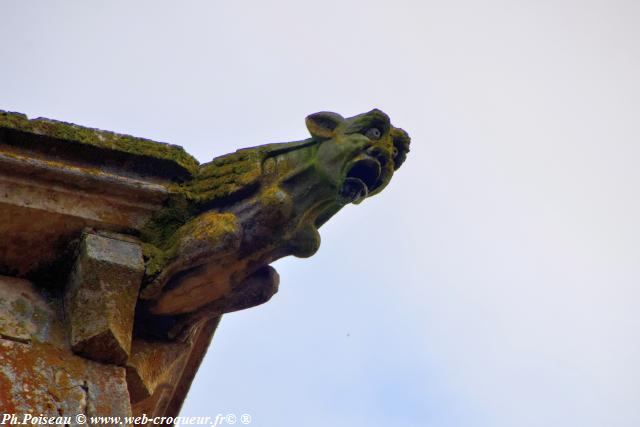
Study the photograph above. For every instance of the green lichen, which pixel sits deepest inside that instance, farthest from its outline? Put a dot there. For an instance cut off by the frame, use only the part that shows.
(225, 176)
(160, 230)
(155, 259)
(99, 138)
(214, 182)
(160, 233)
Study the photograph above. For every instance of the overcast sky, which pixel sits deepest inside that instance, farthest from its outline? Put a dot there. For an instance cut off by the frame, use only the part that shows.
(493, 283)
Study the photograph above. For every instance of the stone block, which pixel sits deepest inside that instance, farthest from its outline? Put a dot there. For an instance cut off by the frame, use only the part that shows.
(101, 295)
(152, 364)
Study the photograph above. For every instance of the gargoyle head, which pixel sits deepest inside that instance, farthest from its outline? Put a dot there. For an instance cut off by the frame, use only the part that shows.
(359, 153)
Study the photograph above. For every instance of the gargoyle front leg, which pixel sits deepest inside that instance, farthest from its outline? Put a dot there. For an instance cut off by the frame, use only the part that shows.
(208, 236)
(255, 289)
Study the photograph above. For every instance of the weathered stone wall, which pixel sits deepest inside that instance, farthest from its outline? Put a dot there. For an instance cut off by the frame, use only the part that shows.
(71, 202)
(39, 374)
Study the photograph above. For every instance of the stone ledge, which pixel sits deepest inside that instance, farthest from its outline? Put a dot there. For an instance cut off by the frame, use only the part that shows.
(55, 137)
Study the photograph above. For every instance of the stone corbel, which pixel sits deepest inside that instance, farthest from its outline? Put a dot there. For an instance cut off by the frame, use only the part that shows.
(101, 295)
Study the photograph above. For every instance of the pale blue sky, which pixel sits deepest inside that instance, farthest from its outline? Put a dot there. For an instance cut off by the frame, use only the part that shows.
(493, 283)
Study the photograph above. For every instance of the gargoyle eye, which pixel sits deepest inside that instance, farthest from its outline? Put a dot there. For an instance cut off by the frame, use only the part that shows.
(373, 133)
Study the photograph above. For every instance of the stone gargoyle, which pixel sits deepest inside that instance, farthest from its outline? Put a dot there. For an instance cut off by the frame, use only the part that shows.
(208, 251)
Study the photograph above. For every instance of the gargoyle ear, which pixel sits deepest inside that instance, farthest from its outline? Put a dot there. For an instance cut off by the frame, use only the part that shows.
(323, 124)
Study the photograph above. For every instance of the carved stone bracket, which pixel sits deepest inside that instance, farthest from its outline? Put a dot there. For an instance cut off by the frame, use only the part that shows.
(101, 296)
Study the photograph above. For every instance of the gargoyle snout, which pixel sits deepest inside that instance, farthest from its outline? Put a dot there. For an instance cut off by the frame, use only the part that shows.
(379, 154)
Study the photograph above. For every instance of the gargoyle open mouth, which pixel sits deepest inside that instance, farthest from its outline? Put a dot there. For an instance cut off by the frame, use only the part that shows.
(363, 177)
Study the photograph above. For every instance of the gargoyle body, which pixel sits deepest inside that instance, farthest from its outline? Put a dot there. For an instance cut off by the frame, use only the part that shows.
(209, 251)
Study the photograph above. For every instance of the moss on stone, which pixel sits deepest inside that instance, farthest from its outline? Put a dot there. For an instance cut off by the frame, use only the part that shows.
(160, 233)
(99, 138)
(160, 230)
(155, 259)
(226, 175)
